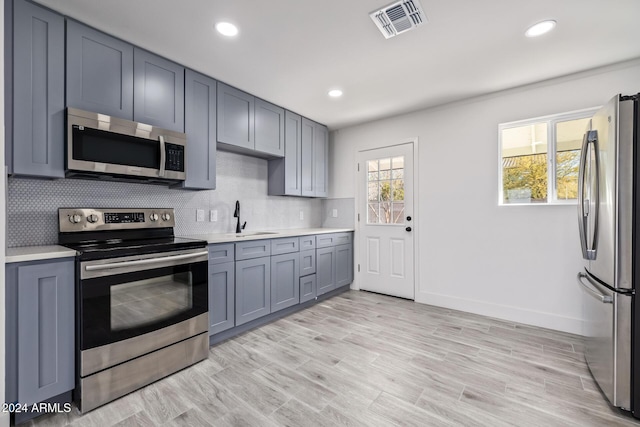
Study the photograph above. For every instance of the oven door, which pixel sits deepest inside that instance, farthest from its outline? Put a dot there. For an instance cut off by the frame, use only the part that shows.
(129, 297)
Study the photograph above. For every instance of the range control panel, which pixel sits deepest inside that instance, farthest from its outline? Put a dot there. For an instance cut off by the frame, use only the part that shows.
(87, 219)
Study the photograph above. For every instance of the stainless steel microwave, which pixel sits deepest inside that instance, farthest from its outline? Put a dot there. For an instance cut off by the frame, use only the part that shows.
(101, 146)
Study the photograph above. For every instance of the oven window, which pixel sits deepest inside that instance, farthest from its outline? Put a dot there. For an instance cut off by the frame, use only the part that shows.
(145, 302)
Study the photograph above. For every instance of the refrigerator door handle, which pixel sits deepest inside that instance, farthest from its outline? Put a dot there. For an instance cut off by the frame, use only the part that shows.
(590, 140)
(605, 299)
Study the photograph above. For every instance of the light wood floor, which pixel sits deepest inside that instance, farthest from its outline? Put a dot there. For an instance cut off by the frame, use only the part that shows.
(362, 359)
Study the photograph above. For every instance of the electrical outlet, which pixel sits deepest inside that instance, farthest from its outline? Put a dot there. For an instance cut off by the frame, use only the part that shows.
(213, 215)
(199, 215)
(301, 215)
(334, 213)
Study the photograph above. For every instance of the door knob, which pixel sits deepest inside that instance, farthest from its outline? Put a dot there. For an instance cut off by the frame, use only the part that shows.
(408, 228)
(408, 218)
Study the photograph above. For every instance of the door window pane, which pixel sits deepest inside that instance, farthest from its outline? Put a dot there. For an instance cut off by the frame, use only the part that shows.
(568, 145)
(524, 164)
(385, 185)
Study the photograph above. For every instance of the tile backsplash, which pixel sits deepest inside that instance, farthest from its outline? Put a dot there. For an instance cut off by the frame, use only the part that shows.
(32, 205)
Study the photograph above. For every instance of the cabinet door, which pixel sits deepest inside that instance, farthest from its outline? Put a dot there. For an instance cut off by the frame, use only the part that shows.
(320, 156)
(221, 297)
(307, 288)
(253, 289)
(307, 262)
(285, 281)
(269, 128)
(158, 85)
(344, 265)
(200, 127)
(38, 91)
(46, 331)
(235, 117)
(325, 270)
(285, 176)
(99, 72)
(306, 167)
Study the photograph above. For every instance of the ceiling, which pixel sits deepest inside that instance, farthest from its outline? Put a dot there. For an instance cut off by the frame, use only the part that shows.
(292, 52)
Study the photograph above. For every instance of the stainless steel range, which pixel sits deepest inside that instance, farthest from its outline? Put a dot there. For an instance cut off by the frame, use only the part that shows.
(142, 304)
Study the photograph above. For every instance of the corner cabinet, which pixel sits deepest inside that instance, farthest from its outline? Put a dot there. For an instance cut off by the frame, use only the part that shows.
(35, 143)
(200, 126)
(99, 72)
(285, 176)
(40, 338)
(158, 91)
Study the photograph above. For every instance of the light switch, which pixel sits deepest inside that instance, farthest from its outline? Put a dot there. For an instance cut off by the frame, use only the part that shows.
(334, 213)
(301, 215)
(199, 215)
(213, 215)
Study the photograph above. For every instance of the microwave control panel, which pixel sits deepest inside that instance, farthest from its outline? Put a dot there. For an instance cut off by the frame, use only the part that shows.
(175, 157)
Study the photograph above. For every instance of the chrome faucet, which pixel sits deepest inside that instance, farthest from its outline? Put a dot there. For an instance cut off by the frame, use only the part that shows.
(236, 214)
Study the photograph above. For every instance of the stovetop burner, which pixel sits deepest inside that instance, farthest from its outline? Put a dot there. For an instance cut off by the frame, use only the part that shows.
(109, 233)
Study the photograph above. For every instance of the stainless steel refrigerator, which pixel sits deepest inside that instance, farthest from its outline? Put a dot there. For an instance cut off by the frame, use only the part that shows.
(608, 221)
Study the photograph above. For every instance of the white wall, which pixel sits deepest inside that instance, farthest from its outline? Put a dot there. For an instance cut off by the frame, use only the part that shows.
(512, 262)
(4, 416)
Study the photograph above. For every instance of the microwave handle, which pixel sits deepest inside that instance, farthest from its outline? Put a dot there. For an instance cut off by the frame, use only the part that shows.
(163, 155)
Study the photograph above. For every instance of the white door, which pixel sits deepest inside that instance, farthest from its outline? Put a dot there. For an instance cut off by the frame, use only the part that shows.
(386, 223)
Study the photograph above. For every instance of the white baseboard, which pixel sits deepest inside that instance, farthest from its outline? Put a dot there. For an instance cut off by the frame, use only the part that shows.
(504, 312)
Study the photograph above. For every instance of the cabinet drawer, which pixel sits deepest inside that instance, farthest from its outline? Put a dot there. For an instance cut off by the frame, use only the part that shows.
(307, 242)
(253, 249)
(333, 239)
(219, 254)
(285, 245)
(307, 262)
(307, 288)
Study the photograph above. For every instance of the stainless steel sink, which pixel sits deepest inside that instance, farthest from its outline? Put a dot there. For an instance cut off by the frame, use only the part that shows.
(257, 233)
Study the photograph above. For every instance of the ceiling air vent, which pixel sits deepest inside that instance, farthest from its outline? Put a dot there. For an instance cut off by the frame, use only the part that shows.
(398, 17)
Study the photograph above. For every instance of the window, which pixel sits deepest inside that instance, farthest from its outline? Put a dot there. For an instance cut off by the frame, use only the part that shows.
(385, 188)
(539, 158)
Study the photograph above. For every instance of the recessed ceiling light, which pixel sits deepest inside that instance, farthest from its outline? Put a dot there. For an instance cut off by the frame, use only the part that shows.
(540, 28)
(227, 29)
(335, 93)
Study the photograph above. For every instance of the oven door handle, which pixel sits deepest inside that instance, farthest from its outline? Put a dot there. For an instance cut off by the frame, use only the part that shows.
(123, 264)
(163, 156)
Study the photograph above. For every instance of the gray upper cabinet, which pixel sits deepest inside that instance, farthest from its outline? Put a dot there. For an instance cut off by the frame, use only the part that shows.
(320, 160)
(200, 126)
(285, 281)
(40, 330)
(99, 72)
(37, 139)
(269, 128)
(308, 131)
(236, 117)
(285, 174)
(253, 289)
(158, 97)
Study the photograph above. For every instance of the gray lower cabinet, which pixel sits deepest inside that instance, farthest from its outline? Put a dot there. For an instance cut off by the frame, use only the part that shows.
(307, 288)
(158, 91)
(200, 126)
(307, 262)
(236, 117)
(253, 289)
(221, 297)
(99, 72)
(40, 339)
(36, 132)
(285, 281)
(285, 174)
(325, 269)
(344, 265)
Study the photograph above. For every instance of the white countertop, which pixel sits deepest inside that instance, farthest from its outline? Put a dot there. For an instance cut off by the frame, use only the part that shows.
(267, 234)
(36, 253)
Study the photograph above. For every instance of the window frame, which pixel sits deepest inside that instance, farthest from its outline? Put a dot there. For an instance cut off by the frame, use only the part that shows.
(551, 120)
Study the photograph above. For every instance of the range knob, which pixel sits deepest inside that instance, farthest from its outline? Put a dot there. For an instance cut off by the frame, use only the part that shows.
(75, 219)
(166, 217)
(93, 218)
(153, 217)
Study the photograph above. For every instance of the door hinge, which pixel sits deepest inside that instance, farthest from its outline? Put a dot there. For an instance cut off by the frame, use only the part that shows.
(358, 167)
(358, 217)
(358, 268)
